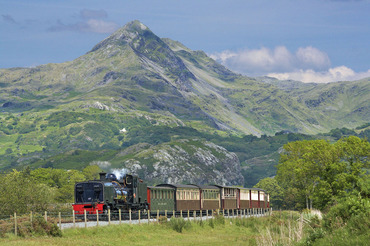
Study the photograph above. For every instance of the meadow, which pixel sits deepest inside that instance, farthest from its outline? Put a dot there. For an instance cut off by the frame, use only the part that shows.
(283, 228)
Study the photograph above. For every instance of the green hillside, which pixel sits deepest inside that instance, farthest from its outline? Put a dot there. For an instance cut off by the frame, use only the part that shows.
(136, 90)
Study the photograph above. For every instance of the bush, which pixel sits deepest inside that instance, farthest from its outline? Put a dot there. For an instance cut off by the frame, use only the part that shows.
(38, 227)
(348, 211)
(162, 220)
(178, 224)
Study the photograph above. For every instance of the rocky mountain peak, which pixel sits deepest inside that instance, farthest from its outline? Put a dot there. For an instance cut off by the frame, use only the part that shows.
(149, 48)
(124, 35)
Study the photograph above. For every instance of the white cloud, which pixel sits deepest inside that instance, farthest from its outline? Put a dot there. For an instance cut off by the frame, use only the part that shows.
(341, 73)
(311, 57)
(307, 64)
(92, 22)
(91, 25)
(101, 26)
(265, 60)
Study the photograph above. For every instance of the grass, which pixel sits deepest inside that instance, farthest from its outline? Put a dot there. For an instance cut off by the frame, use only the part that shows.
(152, 234)
(281, 228)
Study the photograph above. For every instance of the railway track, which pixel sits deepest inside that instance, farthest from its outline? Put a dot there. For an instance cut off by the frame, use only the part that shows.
(153, 218)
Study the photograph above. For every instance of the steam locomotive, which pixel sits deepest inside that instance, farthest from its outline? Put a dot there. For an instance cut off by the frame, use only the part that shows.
(108, 192)
(132, 193)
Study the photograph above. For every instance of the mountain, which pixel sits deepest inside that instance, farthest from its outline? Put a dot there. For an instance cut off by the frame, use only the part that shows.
(133, 69)
(134, 81)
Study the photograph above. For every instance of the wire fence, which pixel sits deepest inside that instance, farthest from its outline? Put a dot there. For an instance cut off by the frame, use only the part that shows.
(69, 219)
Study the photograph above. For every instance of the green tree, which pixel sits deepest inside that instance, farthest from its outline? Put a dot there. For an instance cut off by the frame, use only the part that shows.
(271, 186)
(322, 172)
(62, 180)
(301, 165)
(19, 192)
(91, 172)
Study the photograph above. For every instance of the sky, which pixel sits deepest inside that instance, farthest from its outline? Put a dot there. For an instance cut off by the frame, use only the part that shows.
(306, 40)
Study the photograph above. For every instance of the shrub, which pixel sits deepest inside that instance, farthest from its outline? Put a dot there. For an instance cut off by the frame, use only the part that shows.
(162, 220)
(38, 227)
(178, 224)
(348, 210)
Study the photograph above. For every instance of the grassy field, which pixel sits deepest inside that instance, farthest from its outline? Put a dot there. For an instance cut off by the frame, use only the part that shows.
(218, 231)
(153, 234)
(281, 228)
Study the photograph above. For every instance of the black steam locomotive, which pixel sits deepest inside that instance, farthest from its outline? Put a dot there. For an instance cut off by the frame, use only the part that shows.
(109, 193)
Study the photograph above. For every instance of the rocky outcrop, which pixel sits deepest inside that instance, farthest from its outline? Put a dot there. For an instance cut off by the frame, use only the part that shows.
(186, 161)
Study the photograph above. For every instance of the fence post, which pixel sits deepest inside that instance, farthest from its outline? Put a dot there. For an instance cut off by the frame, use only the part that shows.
(157, 215)
(181, 213)
(119, 214)
(74, 219)
(207, 214)
(60, 221)
(195, 215)
(188, 215)
(148, 216)
(139, 217)
(15, 224)
(200, 214)
(129, 213)
(165, 213)
(85, 218)
(108, 216)
(46, 216)
(97, 217)
(173, 213)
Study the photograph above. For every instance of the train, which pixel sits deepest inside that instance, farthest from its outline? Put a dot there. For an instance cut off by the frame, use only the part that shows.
(132, 193)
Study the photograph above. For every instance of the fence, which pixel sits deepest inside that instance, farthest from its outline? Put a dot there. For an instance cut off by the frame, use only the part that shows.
(71, 220)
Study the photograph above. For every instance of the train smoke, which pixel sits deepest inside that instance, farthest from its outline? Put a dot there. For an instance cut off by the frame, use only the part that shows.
(120, 173)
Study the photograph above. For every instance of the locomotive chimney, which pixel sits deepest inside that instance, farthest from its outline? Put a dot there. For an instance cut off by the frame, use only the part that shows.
(102, 175)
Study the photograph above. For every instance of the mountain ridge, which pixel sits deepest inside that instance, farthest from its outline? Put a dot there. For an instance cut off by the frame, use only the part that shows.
(166, 77)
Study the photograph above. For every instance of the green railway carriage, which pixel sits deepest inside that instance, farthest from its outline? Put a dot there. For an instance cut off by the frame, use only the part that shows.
(187, 197)
(161, 198)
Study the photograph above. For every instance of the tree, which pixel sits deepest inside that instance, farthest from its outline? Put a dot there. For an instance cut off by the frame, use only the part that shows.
(20, 193)
(91, 172)
(271, 186)
(321, 171)
(301, 165)
(62, 180)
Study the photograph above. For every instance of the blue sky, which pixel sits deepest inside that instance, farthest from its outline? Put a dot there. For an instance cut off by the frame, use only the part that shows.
(307, 40)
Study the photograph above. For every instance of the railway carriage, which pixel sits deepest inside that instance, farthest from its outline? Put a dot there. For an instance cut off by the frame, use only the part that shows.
(187, 197)
(244, 198)
(254, 196)
(229, 197)
(264, 199)
(210, 197)
(161, 198)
